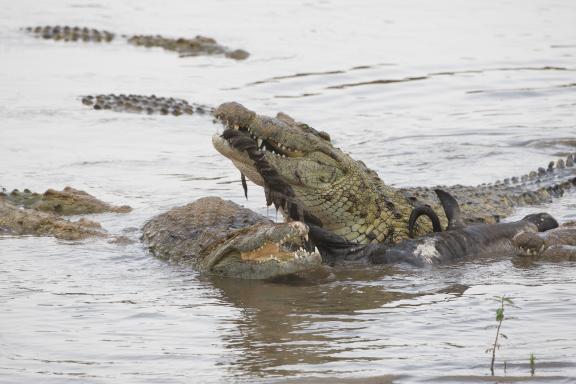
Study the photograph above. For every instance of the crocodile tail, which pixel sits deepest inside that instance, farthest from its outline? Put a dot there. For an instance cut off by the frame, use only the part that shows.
(71, 33)
(538, 186)
(151, 105)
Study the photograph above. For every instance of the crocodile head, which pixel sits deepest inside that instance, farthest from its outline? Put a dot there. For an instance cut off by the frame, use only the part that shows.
(308, 178)
(558, 243)
(219, 237)
(264, 251)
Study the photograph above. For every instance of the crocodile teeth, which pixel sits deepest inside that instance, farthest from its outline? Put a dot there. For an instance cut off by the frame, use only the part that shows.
(259, 143)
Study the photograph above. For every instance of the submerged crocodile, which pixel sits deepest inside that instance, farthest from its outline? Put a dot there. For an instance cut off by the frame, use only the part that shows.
(144, 104)
(317, 182)
(556, 245)
(30, 213)
(199, 45)
(219, 237)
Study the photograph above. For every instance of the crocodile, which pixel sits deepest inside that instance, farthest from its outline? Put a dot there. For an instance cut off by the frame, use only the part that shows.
(316, 182)
(69, 201)
(219, 237)
(199, 45)
(555, 245)
(29, 213)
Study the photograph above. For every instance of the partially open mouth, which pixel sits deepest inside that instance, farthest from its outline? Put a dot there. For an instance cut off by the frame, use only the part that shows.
(266, 144)
(245, 139)
(282, 249)
(239, 146)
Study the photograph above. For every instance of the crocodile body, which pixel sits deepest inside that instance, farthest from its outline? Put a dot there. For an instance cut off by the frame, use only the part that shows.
(199, 45)
(219, 237)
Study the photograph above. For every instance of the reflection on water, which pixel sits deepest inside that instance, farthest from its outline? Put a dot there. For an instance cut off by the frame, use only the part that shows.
(274, 329)
(424, 93)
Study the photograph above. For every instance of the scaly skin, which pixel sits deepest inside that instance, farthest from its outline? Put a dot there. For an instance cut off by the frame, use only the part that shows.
(555, 245)
(29, 213)
(219, 237)
(347, 198)
(199, 45)
(67, 33)
(69, 201)
(144, 104)
(16, 220)
(459, 241)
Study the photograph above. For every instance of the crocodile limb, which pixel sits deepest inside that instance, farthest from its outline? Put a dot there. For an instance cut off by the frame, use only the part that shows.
(199, 45)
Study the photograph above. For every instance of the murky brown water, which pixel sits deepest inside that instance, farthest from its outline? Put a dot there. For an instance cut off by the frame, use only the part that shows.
(424, 92)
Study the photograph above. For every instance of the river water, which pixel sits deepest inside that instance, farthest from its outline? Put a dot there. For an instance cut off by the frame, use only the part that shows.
(423, 92)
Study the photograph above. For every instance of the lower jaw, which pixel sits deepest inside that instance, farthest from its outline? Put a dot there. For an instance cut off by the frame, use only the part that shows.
(249, 172)
(239, 159)
(258, 271)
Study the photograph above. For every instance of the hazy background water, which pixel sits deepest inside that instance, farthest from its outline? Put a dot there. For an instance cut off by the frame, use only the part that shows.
(424, 92)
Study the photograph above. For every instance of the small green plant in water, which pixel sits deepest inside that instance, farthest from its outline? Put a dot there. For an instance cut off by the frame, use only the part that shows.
(532, 364)
(499, 335)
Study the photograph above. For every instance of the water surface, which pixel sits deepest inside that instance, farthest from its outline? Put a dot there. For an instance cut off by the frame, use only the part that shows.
(423, 92)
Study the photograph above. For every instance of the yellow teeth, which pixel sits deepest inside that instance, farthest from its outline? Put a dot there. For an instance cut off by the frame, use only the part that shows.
(279, 149)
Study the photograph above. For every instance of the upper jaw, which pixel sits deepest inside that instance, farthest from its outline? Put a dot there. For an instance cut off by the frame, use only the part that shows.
(282, 249)
(242, 147)
(267, 145)
(263, 130)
